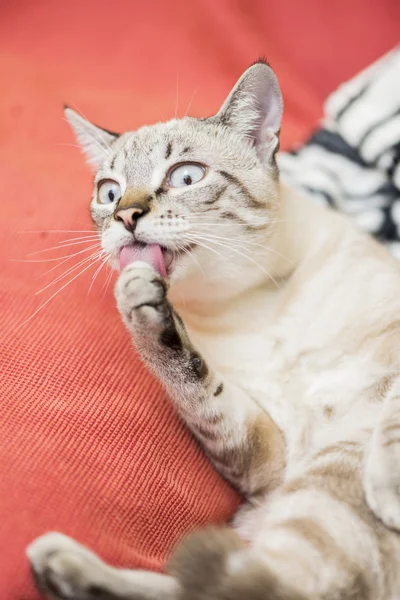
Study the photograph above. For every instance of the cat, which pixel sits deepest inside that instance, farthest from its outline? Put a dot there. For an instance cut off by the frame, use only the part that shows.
(275, 328)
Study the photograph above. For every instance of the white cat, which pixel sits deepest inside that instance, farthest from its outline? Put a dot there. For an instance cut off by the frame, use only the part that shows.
(275, 328)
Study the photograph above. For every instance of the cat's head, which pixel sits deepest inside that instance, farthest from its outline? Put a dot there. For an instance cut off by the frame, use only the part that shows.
(196, 198)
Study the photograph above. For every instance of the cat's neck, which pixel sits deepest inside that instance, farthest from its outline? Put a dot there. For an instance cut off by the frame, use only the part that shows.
(300, 228)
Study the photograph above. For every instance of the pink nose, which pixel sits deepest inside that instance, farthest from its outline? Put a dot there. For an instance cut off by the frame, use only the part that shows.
(129, 216)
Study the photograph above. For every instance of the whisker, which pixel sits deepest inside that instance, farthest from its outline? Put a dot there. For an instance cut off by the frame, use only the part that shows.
(208, 223)
(229, 224)
(191, 255)
(70, 270)
(57, 231)
(244, 256)
(177, 94)
(67, 258)
(229, 241)
(221, 219)
(211, 220)
(66, 245)
(65, 144)
(55, 294)
(250, 243)
(190, 102)
(96, 273)
(107, 282)
(44, 260)
(94, 236)
(72, 241)
(191, 239)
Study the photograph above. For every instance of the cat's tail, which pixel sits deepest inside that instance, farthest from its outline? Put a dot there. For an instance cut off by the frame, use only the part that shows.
(215, 564)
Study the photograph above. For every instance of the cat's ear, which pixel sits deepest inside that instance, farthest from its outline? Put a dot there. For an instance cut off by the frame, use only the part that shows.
(254, 108)
(95, 142)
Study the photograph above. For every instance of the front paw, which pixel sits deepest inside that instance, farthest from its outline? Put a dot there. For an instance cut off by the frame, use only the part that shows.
(63, 569)
(141, 295)
(157, 331)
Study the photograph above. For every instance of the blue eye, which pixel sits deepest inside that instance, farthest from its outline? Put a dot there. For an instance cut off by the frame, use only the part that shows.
(185, 175)
(109, 192)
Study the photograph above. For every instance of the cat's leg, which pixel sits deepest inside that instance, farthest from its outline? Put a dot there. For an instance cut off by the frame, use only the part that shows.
(239, 437)
(315, 540)
(64, 569)
(382, 470)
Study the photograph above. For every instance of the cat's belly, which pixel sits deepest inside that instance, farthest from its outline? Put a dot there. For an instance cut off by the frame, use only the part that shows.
(315, 397)
(316, 406)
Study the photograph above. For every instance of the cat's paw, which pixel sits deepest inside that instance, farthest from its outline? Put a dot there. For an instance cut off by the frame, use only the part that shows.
(64, 569)
(382, 484)
(141, 295)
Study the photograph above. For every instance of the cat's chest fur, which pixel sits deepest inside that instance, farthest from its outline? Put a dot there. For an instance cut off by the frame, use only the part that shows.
(303, 351)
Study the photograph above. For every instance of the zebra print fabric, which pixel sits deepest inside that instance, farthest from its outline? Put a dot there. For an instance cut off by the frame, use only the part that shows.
(352, 162)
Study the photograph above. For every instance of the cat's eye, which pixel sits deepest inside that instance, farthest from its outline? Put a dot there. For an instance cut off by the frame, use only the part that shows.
(186, 174)
(109, 191)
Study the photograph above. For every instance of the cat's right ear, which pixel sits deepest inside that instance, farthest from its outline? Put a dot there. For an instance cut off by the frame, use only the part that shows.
(95, 142)
(254, 108)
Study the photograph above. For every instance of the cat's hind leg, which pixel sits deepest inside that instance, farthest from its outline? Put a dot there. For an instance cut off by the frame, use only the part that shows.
(203, 568)
(310, 546)
(64, 569)
(315, 539)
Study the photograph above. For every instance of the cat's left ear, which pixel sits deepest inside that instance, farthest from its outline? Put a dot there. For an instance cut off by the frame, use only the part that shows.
(95, 142)
(254, 108)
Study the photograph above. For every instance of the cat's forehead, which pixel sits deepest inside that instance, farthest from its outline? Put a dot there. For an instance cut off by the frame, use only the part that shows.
(166, 139)
(154, 148)
(136, 154)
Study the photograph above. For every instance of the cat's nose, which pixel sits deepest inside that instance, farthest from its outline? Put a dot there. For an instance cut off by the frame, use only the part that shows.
(129, 216)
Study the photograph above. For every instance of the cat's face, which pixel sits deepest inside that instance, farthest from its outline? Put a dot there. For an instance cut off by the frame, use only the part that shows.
(194, 197)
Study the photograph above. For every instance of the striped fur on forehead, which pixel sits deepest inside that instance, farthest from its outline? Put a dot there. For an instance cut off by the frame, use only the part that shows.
(185, 139)
(238, 194)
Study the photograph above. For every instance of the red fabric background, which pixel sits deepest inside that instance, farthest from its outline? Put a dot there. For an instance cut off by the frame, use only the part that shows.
(89, 445)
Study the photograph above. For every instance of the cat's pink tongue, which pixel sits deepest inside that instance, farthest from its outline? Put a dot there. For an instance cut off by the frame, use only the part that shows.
(149, 253)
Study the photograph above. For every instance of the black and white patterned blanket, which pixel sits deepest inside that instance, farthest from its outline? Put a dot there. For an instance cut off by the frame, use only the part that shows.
(352, 162)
